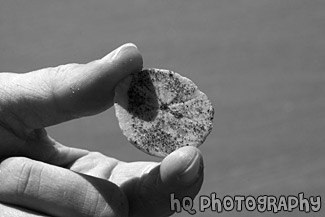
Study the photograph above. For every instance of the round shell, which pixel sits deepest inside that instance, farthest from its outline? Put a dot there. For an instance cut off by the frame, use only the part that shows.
(160, 111)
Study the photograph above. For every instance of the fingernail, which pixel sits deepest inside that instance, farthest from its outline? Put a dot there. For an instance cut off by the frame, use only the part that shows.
(193, 171)
(119, 51)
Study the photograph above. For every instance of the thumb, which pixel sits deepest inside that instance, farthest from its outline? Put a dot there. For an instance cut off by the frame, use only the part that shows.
(179, 175)
(53, 95)
(183, 167)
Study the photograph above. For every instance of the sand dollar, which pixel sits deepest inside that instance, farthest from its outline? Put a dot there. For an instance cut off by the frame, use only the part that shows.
(160, 111)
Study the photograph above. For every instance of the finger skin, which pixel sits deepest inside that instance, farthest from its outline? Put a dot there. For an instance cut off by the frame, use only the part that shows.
(57, 191)
(90, 89)
(14, 211)
(53, 95)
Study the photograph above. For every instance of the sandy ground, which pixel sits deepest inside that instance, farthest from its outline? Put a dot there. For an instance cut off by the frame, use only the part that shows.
(261, 62)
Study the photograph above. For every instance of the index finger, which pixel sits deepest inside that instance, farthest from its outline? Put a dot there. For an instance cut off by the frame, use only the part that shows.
(53, 95)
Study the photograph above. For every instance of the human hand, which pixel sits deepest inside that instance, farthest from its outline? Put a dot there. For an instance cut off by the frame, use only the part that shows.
(86, 183)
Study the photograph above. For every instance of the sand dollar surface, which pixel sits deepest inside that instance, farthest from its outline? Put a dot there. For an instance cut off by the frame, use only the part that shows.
(160, 111)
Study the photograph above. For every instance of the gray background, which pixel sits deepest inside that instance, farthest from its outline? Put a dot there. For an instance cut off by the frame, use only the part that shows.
(261, 62)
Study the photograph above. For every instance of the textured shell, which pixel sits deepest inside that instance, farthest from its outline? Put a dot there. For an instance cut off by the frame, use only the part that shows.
(160, 111)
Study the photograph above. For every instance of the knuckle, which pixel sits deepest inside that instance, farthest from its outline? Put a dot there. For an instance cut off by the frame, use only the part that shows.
(20, 176)
(14, 163)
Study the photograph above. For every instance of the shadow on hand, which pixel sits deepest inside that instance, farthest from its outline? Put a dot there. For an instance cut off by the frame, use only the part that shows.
(149, 196)
(116, 202)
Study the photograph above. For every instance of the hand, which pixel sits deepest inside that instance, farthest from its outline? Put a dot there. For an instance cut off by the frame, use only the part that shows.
(57, 180)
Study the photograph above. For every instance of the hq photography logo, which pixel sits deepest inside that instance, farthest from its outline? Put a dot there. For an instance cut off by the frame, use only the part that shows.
(238, 203)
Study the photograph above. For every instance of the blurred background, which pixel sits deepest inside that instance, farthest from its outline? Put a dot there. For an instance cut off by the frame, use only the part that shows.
(261, 62)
